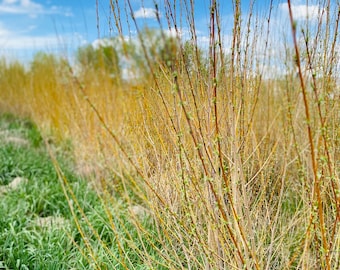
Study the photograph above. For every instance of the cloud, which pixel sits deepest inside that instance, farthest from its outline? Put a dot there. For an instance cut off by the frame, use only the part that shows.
(302, 11)
(19, 33)
(20, 7)
(3, 31)
(31, 42)
(181, 32)
(104, 42)
(13, 41)
(30, 8)
(146, 13)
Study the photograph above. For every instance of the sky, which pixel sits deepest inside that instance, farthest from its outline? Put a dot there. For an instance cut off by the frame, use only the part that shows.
(60, 26)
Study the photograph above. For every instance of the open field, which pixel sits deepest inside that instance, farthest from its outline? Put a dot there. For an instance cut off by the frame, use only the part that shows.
(231, 168)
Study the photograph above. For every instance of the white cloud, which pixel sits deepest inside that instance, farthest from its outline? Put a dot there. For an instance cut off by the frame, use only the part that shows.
(20, 7)
(14, 41)
(3, 31)
(104, 42)
(172, 32)
(9, 1)
(146, 13)
(182, 33)
(302, 11)
(18, 36)
(30, 42)
(30, 8)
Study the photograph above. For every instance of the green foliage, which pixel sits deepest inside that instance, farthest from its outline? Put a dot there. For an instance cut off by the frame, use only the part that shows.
(194, 60)
(104, 57)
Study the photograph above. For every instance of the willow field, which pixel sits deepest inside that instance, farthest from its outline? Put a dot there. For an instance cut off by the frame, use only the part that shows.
(184, 156)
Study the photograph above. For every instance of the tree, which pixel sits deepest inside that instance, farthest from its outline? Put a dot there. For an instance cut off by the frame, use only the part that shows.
(103, 57)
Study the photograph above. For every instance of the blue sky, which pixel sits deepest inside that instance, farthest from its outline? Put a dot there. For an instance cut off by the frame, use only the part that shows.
(62, 25)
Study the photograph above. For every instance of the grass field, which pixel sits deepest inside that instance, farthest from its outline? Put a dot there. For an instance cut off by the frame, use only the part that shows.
(199, 162)
(37, 228)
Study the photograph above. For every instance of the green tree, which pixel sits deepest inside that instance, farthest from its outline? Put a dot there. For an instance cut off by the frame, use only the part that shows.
(103, 58)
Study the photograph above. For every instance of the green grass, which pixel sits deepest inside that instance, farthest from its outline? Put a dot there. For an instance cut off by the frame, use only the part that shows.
(25, 244)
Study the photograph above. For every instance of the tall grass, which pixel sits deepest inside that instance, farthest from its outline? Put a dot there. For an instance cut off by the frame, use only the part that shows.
(237, 169)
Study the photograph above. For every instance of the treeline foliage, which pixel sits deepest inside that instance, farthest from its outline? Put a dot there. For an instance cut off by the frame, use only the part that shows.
(101, 58)
(153, 52)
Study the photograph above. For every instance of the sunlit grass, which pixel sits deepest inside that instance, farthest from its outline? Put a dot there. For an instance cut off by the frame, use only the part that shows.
(218, 153)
